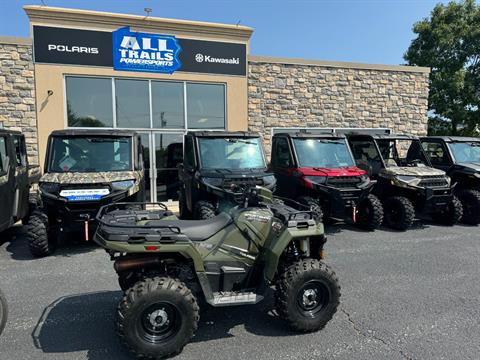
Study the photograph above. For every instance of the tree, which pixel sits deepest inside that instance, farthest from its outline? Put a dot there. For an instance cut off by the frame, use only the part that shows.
(449, 43)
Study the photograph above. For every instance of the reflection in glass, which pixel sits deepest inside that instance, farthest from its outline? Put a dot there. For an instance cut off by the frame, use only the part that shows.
(132, 103)
(205, 106)
(89, 102)
(167, 105)
(168, 154)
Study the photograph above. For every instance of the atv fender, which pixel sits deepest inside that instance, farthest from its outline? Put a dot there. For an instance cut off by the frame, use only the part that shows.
(275, 249)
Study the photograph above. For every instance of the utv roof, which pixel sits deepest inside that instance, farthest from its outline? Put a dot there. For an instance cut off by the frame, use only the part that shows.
(308, 135)
(222, 134)
(384, 136)
(93, 132)
(8, 132)
(453, 138)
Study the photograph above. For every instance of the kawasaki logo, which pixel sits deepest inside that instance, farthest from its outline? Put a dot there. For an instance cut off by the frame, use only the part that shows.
(210, 59)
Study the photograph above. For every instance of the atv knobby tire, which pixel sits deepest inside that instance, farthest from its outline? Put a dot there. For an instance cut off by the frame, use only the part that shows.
(370, 213)
(38, 235)
(399, 212)
(307, 295)
(157, 317)
(204, 210)
(314, 206)
(470, 200)
(3, 312)
(451, 215)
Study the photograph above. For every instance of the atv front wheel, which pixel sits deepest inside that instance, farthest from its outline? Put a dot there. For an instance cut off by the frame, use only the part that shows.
(204, 210)
(399, 213)
(307, 295)
(314, 206)
(3, 312)
(451, 215)
(470, 200)
(370, 213)
(38, 235)
(157, 317)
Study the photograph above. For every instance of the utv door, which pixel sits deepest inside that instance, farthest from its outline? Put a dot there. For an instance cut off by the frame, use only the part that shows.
(6, 183)
(22, 188)
(282, 163)
(438, 153)
(187, 171)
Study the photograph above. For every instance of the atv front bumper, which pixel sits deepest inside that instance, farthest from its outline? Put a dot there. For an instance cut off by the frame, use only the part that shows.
(436, 199)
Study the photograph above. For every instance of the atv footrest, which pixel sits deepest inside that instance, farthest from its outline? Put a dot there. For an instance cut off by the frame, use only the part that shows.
(235, 298)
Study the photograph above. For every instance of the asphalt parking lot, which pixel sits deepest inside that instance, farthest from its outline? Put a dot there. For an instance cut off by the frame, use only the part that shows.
(412, 295)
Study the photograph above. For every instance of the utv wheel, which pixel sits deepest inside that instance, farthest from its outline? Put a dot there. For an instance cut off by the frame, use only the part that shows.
(33, 204)
(157, 317)
(399, 212)
(451, 215)
(370, 213)
(307, 295)
(38, 235)
(470, 200)
(314, 206)
(3, 312)
(204, 210)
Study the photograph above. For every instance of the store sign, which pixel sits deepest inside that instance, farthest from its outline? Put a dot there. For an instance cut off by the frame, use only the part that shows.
(135, 51)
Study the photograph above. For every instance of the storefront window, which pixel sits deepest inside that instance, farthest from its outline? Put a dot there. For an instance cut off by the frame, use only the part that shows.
(89, 102)
(132, 103)
(167, 105)
(205, 106)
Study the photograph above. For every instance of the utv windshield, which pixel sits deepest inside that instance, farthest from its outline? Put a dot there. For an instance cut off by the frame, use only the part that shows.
(402, 152)
(231, 153)
(90, 154)
(466, 152)
(323, 153)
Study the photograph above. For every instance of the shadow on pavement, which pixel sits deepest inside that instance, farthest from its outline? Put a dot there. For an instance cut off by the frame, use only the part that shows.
(85, 322)
(18, 248)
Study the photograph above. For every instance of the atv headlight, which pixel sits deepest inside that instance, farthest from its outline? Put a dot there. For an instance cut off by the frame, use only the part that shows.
(49, 187)
(411, 180)
(316, 179)
(123, 185)
(269, 180)
(213, 181)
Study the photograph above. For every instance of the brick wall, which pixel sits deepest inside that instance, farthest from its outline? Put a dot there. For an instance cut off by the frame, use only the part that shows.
(17, 91)
(313, 95)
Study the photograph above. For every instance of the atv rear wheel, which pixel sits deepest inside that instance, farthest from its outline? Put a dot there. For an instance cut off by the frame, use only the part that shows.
(204, 210)
(3, 312)
(314, 206)
(451, 215)
(38, 235)
(157, 317)
(370, 213)
(470, 200)
(307, 294)
(399, 212)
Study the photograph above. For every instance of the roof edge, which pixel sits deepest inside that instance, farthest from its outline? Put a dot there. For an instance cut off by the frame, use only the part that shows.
(338, 64)
(13, 40)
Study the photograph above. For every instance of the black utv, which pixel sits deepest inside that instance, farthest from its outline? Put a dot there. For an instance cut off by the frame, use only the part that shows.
(406, 182)
(84, 170)
(460, 158)
(216, 161)
(16, 179)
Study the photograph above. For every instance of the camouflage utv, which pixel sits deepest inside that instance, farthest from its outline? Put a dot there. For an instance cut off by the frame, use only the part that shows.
(84, 170)
(406, 181)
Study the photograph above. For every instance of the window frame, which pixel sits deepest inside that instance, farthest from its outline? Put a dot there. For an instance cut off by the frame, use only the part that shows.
(292, 155)
(446, 150)
(3, 168)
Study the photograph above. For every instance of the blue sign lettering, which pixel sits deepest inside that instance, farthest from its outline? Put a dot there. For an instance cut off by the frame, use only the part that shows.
(135, 51)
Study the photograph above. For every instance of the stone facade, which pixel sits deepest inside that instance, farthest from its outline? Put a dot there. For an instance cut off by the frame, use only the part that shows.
(17, 91)
(318, 95)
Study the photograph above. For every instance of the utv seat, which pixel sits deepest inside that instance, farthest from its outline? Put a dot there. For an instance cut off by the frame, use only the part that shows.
(196, 230)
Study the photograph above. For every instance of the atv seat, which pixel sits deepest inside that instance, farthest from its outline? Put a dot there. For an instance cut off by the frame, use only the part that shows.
(196, 230)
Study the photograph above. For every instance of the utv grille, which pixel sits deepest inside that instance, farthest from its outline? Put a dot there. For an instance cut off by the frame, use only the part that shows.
(227, 183)
(343, 181)
(433, 181)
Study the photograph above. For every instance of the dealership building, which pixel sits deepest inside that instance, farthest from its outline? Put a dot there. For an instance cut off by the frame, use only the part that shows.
(163, 77)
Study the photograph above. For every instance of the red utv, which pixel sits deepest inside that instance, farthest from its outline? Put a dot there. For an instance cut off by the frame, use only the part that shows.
(318, 170)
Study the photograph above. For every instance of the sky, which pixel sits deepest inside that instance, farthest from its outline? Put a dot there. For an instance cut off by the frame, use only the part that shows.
(367, 31)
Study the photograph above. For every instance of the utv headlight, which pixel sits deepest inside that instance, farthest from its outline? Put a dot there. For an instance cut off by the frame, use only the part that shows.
(213, 181)
(49, 187)
(411, 180)
(365, 178)
(123, 185)
(269, 180)
(316, 179)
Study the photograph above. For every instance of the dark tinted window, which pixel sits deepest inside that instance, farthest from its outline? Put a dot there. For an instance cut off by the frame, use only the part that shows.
(3, 155)
(20, 153)
(189, 158)
(132, 103)
(89, 102)
(436, 152)
(281, 151)
(167, 105)
(205, 106)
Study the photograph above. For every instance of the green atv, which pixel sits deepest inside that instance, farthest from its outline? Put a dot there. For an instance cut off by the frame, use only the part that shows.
(167, 266)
